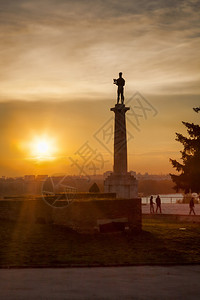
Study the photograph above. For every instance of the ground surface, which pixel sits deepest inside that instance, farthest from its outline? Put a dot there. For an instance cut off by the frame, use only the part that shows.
(160, 242)
(138, 283)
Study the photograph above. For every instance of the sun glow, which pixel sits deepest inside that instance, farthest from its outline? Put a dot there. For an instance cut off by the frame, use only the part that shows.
(43, 148)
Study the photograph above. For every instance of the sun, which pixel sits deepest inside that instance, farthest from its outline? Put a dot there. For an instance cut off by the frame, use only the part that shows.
(43, 148)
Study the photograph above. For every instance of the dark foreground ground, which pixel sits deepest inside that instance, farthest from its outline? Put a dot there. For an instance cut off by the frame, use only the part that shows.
(160, 242)
(138, 283)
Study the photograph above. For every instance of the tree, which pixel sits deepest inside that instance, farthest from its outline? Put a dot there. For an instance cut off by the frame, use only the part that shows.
(189, 169)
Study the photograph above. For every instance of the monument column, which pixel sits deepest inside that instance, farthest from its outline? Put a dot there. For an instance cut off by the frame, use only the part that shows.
(120, 181)
(120, 141)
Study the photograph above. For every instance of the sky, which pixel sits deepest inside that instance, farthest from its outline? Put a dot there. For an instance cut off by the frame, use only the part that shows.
(58, 59)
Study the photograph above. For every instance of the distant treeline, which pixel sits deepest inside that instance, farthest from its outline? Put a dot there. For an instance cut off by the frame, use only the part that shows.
(148, 187)
(145, 187)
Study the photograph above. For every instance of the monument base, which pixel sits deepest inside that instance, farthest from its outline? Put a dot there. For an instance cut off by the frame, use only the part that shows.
(124, 185)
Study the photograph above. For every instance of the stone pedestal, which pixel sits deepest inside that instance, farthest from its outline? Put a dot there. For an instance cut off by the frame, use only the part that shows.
(125, 186)
(120, 181)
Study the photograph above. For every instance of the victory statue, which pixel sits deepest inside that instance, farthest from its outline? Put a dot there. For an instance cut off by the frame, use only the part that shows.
(120, 181)
(120, 82)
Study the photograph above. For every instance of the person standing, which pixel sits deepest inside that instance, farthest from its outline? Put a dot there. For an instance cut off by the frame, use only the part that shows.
(191, 205)
(151, 205)
(158, 204)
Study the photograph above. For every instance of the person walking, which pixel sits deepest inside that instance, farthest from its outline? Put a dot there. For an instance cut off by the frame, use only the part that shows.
(151, 205)
(158, 204)
(191, 205)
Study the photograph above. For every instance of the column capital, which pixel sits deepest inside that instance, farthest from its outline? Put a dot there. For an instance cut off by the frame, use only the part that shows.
(120, 107)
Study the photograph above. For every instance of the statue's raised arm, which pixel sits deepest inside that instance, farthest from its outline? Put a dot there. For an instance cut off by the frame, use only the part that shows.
(120, 82)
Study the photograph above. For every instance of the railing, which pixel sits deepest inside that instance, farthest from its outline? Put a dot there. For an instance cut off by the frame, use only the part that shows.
(164, 199)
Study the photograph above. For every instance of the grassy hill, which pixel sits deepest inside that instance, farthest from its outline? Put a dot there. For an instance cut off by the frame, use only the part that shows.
(23, 245)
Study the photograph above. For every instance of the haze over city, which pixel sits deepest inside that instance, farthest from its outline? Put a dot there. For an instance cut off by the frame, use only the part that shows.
(58, 61)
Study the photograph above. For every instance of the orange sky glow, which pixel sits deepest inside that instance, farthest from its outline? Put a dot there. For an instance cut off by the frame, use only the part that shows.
(58, 59)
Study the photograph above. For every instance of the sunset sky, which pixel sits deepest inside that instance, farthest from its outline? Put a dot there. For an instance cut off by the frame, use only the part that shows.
(58, 59)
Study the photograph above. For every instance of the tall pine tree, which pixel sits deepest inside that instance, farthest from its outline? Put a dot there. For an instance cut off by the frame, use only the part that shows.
(189, 177)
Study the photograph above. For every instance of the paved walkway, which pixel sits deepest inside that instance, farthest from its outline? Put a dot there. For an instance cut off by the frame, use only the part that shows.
(144, 282)
(176, 209)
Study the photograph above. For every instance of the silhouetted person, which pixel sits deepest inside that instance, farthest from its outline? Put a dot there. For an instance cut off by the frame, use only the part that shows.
(191, 204)
(158, 204)
(151, 205)
(120, 82)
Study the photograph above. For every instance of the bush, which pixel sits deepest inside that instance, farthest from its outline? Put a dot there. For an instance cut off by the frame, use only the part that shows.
(94, 188)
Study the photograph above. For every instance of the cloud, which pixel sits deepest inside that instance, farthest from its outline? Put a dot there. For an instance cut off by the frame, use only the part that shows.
(65, 49)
